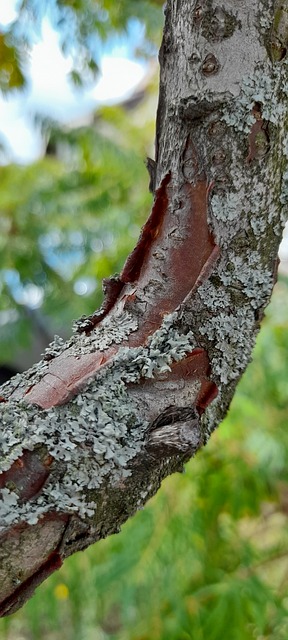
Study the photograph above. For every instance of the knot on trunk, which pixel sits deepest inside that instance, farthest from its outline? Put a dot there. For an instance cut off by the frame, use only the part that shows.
(176, 430)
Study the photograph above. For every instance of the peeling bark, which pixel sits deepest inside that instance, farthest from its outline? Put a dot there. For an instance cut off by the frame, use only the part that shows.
(89, 433)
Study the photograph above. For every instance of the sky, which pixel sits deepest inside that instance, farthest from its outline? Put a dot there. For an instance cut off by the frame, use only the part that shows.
(51, 93)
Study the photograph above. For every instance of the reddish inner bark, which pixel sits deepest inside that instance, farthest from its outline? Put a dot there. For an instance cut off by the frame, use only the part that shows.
(184, 237)
(27, 475)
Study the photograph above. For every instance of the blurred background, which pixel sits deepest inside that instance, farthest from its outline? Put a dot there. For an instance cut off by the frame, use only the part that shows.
(207, 559)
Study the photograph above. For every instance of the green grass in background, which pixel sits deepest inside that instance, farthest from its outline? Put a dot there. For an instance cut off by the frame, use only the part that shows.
(207, 559)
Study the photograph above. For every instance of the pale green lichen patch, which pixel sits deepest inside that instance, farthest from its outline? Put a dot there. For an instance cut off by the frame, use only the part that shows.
(114, 329)
(265, 15)
(212, 296)
(246, 219)
(88, 437)
(269, 87)
(93, 437)
(240, 286)
(246, 274)
(233, 337)
(225, 207)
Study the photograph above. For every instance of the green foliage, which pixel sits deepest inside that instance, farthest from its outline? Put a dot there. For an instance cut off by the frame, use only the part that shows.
(67, 222)
(83, 27)
(11, 75)
(207, 558)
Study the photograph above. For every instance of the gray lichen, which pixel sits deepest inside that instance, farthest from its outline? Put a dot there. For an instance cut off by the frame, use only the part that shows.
(93, 437)
(246, 219)
(267, 86)
(232, 335)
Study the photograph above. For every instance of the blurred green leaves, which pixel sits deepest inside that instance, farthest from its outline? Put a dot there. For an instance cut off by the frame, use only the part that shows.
(83, 26)
(11, 74)
(70, 219)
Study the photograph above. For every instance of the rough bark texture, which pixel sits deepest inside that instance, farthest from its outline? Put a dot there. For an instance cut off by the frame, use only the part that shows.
(88, 434)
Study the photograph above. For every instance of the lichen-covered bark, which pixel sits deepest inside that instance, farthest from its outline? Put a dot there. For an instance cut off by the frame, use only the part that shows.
(88, 433)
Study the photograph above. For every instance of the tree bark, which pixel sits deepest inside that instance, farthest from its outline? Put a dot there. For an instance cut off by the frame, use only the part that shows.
(88, 434)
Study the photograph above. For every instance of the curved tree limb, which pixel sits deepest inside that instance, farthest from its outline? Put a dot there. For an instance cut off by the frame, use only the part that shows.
(88, 434)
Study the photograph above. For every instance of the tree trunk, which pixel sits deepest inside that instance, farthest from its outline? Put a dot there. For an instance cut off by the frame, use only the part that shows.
(89, 433)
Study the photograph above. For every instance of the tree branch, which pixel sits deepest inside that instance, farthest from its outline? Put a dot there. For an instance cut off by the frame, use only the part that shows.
(89, 433)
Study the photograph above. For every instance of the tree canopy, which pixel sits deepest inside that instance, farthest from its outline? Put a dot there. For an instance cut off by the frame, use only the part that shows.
(83, 25)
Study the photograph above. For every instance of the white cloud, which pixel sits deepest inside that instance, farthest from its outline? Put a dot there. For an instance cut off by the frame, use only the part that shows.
(8, 11)
(119, 77)
(51, 93)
